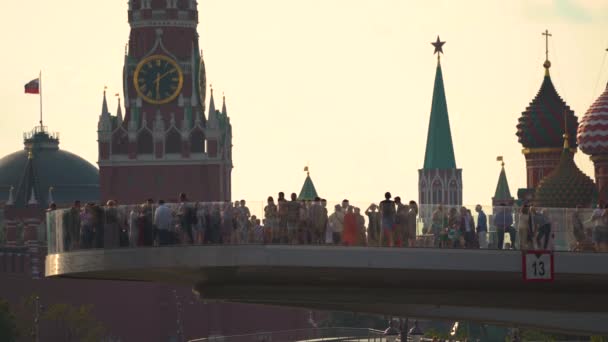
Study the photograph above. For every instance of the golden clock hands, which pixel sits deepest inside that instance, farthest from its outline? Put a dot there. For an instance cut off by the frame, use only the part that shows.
(167, 73)
(157, 86)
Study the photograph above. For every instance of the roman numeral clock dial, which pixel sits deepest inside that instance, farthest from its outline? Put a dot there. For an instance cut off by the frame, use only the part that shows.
(158, 79)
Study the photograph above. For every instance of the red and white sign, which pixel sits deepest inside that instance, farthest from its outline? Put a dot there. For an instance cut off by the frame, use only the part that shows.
(538, 266)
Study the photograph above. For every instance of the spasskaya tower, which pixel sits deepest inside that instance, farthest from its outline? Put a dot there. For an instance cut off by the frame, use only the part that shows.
(165, 143)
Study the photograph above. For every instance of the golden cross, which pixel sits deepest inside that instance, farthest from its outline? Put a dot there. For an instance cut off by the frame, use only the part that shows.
(547, 35)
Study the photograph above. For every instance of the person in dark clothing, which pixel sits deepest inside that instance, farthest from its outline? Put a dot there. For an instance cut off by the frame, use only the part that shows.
(503, 220)
(544, 229)
(187, 217)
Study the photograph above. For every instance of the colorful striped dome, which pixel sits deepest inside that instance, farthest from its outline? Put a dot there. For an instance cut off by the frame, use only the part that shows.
(541, 125)
(593, 130)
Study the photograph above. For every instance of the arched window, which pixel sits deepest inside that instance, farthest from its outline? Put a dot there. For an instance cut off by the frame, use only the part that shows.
(197, 142)
(145, 143)
(423, 192)
(453, 193)
(437, 195)
(173, 142)
(120, 142)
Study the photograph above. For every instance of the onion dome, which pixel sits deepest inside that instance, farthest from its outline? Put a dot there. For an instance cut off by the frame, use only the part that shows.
(566, 186)
(593, 130)
(541, 125)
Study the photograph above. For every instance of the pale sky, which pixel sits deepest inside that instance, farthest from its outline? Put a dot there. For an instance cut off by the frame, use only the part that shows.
(342, 85)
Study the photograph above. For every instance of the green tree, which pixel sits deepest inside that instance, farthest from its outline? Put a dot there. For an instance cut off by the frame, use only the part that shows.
(70, 323)
(8, 328)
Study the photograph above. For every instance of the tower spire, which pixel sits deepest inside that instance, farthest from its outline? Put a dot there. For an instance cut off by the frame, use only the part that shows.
(119, 110)
(439, 148)
(213, 119)
(502, 192)
(104, 104)
(224, 111)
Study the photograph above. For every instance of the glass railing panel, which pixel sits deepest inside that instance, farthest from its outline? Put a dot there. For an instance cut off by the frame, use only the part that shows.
(354, 224)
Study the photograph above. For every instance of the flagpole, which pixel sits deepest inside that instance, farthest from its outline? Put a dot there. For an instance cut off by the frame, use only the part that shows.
(40, 89)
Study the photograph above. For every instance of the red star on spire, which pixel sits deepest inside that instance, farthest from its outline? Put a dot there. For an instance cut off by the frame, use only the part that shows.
(438, 46)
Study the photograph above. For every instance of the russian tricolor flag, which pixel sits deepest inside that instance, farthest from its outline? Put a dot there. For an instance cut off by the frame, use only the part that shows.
(33, 87)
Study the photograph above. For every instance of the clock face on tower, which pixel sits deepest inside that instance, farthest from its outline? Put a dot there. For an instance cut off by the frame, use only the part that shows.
(158, 79)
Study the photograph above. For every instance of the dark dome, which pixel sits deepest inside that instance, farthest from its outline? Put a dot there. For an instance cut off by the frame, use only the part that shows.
(541, 125)
(566, 186)
(71, 177)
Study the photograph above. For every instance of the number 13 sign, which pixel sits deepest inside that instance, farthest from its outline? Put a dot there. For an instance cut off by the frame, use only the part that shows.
(537, 265)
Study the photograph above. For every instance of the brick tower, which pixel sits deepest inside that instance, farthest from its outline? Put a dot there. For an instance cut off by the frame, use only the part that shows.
(165, 144)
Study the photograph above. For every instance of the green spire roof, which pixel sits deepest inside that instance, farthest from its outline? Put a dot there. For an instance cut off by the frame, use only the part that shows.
(439, 149)
(502, 188)
(308, 192)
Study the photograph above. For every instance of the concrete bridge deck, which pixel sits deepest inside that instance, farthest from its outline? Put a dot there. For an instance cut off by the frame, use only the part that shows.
(479, 285)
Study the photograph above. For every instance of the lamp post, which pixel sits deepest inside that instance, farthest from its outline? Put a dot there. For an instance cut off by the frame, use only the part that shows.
(416, 332)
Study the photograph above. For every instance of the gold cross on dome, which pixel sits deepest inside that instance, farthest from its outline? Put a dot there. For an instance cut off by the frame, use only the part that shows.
(547, 35)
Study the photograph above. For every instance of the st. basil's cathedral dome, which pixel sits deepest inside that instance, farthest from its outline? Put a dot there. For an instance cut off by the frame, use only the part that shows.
(593, 130)
(541, 125)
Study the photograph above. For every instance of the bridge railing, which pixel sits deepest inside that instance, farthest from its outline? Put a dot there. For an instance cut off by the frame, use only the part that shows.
(134, 226)
(312, 334)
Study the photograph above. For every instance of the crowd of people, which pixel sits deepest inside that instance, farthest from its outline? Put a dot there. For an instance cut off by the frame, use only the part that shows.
(392, 223)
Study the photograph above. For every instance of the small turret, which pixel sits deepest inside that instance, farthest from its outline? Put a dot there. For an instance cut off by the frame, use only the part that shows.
(104, 124)
(119, 113)
(213, 119)
(224, 110)
(11, 196)
(32, 200)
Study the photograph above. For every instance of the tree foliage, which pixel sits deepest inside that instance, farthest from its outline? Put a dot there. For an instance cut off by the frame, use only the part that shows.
(8, 327)
(73, 323)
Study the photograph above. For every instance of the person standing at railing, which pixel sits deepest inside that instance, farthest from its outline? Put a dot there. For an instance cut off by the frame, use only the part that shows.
(187, 217)
(146, 224)
(400, 235)
(543, 229)
(387, 213)
(163, 220)
(503, 220)
(412, 215)
(438, 226)
(361, 237)
(133, 229)
(87, 234)
(349, 233)
(482, 227)
(467, 228)
(97, 220)
(282, 206)
(578, 229)
(293, 215)
(71, 233)
(601, 230)
(336, 225)
(373, 225)
(524, 228)
(454, 233)
(318, 220)
(271, 220)
(111, 226)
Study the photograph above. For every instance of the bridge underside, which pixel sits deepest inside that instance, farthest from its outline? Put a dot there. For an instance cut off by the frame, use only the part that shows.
(483, 286)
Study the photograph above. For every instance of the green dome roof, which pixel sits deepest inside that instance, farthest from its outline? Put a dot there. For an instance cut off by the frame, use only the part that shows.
(566, 186)
(71, 177)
